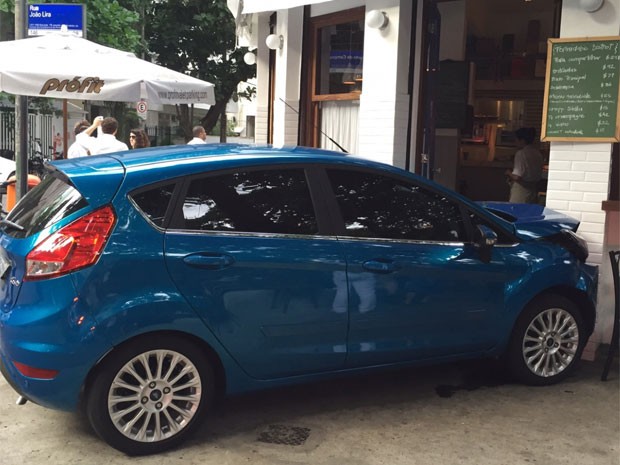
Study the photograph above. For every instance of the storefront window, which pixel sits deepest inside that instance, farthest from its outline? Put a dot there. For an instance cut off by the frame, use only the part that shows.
(341, 51)
(333, 59)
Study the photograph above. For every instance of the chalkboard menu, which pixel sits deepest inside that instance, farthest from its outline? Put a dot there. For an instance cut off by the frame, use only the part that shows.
(581, 90)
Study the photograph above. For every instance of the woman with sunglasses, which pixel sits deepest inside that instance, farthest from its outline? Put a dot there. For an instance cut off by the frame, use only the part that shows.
(138, 139)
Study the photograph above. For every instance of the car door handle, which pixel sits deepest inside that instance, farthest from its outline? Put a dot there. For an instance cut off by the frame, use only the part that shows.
(379, 266)
(209, 262)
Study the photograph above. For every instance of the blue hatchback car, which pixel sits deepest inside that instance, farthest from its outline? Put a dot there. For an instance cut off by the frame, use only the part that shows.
(138, 285)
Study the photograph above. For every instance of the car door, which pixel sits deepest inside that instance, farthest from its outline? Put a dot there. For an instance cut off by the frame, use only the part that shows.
(417, 288)
(245, 249)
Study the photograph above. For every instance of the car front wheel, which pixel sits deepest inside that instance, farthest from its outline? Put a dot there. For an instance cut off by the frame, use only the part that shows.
(149, 395)
(547, 341)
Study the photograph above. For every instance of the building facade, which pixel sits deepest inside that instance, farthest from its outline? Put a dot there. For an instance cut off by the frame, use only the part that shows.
(438, 88)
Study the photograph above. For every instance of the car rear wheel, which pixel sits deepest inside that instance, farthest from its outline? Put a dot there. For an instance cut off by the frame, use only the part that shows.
(547, 341)
(150, 395)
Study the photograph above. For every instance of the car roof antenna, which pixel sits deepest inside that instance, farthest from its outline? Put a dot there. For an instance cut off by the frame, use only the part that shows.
(316, 127)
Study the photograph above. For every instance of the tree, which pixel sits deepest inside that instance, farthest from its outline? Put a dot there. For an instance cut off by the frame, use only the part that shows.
(197, 37)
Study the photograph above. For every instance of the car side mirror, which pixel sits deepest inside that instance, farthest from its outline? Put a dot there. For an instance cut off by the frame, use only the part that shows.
(484, 240)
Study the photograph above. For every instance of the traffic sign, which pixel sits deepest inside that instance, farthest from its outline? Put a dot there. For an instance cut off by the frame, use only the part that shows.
(141, 108)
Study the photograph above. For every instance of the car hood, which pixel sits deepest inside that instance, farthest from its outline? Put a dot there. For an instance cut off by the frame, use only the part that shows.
(531, 221)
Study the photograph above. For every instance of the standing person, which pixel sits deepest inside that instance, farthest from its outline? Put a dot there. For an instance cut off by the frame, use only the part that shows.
(106, 141)
(57, 146)
(200, 136)
(138, 139)
(527, 169)
(76, 149)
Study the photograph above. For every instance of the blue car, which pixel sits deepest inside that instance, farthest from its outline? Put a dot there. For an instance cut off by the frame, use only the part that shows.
(138, 286)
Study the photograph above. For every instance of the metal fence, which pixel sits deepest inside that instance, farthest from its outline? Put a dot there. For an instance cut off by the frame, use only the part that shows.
(40, 135)
(159, 135)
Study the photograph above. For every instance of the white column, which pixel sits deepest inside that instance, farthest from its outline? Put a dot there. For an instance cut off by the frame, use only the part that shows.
(384, 103)
(262, 81)
(288, 70)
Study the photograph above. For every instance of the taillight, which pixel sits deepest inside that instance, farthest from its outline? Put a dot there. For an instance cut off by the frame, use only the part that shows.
(75, 246)
(33, 372)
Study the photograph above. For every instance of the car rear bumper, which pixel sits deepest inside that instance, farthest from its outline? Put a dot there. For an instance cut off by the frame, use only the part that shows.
(47, 339)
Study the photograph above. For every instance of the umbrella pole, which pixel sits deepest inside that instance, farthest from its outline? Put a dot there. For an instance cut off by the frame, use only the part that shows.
(21, 146)
(65, 139)
(21, 115)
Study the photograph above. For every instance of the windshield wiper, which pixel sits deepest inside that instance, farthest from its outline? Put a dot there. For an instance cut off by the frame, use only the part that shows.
(9, 223)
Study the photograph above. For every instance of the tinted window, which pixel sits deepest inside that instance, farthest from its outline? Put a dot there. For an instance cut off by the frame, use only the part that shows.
(274, 201)
(383, 207)
(44, 205)
(154, 202)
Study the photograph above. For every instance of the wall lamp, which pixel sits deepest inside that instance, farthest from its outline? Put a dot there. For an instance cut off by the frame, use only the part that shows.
(249, 58)
(376, 19)
(274, 41)
(591, 5)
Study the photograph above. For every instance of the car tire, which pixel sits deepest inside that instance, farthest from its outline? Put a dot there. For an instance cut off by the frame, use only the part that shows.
(140, 410)
(547, 341)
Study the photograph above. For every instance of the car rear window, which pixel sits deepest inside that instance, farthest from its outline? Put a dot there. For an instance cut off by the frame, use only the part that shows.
(49, 202)
(153, 202)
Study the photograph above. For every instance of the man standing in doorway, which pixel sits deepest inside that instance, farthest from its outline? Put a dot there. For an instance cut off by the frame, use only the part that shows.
(527, 170)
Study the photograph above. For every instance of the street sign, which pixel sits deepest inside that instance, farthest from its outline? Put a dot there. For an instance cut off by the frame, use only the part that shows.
(141, 109)
(44, 18)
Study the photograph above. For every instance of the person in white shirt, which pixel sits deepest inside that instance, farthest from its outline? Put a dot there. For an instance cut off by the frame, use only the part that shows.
(527, 170)
(200, 136)
(106, 140)
(76, 149)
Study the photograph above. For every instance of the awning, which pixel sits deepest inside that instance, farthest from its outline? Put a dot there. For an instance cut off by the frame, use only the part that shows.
(256, 6)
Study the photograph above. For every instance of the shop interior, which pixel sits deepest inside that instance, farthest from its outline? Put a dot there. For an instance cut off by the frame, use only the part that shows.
(505, 57)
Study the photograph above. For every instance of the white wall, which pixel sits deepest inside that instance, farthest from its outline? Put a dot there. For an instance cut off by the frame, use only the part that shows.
(262, 79)
(288, 72)
(579, 172)
(384, 103)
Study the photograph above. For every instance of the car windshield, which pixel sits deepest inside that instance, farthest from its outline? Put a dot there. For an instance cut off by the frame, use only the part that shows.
(49, 202)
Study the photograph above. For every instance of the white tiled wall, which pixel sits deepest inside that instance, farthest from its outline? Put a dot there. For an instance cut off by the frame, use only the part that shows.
(578, 183)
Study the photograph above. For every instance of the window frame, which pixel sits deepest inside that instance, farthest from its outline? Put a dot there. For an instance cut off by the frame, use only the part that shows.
(310, 132)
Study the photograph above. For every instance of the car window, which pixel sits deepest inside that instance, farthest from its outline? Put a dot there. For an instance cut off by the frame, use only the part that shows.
(47, 203)
(154, 202)
(374, 205)
(265, 201)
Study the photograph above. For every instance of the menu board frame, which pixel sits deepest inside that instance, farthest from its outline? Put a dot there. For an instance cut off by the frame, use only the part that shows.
(572, 137)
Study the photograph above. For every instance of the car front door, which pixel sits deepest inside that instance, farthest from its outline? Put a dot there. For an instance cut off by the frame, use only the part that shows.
(246, 252)
(417, 288)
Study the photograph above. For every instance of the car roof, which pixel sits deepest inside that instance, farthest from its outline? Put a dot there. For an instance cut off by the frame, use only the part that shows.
(100, 177)
(164, 155)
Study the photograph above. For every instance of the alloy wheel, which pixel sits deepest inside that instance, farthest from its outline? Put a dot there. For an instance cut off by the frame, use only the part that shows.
(550, 342)
(154, 396)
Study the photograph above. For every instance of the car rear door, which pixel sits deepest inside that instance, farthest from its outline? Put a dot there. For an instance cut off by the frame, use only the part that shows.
(417, 288)
(246, 250)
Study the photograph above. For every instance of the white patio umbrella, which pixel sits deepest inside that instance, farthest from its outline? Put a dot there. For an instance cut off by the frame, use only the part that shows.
(63, 66)
(69, 67)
